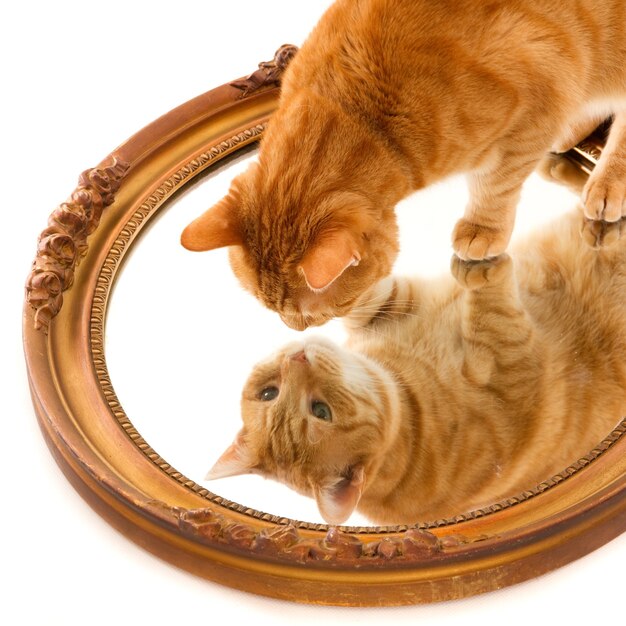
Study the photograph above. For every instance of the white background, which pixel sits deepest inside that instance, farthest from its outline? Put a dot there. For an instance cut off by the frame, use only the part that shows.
(79, 79)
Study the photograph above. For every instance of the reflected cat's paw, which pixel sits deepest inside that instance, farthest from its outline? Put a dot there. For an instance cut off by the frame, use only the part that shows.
(477, 274)
(556, 168)
(599, 234)
(475, 242)
(604, 195)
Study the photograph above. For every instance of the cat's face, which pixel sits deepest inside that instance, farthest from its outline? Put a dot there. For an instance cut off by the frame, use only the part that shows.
(313, 419)
(308, 271)
(311, 225)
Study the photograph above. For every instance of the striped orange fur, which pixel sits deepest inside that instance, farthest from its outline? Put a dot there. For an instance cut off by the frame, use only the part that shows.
(453, 393)
(388, 96)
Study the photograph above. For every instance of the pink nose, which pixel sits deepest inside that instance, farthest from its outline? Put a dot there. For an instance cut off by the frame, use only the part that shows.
(299, 356)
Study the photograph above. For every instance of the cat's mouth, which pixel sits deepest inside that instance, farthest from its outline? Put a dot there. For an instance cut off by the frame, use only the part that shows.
(296, 321)
(313, 310)
(294, 358)
(307, 353)
(302, 321)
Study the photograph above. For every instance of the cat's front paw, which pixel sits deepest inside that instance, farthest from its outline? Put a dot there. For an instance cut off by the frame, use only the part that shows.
(474, 275)
(598, 234)
(604, 195)
(474, 242)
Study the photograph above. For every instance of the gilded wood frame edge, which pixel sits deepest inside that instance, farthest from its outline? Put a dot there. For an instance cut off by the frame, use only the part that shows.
(118, 473)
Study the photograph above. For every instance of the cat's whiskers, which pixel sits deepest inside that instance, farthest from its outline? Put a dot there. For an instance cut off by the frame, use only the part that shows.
(391, 314)
(376, 304)
(387, 316)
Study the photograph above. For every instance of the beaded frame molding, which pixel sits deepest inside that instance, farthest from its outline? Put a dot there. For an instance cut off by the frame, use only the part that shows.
(129, 484)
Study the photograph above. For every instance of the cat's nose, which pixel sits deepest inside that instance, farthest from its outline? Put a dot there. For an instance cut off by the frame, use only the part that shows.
(299, 356)
(297, 322)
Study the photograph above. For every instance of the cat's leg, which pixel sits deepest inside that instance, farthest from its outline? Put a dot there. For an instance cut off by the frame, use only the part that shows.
(486, 227)
(604, 195)
(497, 334)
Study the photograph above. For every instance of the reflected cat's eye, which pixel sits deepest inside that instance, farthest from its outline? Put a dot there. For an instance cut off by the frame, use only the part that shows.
(268, 393)
(321, 410)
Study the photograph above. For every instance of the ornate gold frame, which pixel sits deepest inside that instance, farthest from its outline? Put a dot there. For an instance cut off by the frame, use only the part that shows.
(137, 491)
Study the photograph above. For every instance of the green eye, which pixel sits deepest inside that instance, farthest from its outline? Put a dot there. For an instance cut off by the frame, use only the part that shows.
(269, 393)
(321, 410)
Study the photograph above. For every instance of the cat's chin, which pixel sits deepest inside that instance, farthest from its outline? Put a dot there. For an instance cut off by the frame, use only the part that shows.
(297, 321)
(309, 319)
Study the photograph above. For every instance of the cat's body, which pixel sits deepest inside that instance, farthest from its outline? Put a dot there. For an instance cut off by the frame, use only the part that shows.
(450, 394)
(389, 96)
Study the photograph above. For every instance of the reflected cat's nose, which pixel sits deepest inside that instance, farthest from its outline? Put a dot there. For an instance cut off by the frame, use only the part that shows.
(299, 356)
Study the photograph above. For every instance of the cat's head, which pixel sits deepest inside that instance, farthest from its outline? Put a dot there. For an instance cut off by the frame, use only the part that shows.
(315, 419)
(310, 226)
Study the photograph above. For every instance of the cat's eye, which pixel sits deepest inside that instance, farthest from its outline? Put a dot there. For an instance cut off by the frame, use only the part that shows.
(321, 410)
(268, 393)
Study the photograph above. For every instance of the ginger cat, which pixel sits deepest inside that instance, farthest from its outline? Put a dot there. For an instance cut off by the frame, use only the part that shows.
(450, 394)
(389, 96)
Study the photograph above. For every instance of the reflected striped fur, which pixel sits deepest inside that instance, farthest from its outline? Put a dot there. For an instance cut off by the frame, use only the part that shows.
(454, 393)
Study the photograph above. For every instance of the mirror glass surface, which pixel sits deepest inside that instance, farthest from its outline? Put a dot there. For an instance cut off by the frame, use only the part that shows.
(182, 335)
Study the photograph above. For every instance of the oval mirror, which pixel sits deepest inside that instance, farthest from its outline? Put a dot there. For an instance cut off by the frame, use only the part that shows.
(136, 376)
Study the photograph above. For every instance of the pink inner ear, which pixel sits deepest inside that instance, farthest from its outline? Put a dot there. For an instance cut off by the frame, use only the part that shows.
(338, 499)
(216, 228)
(235, 460)
(328, 259)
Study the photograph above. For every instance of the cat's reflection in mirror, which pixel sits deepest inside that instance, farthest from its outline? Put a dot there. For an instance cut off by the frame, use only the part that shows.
(450, 394)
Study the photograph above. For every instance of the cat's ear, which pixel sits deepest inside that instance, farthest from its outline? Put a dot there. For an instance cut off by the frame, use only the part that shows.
(236, 460)
(337, 499)
(329, 258)
(216, 228)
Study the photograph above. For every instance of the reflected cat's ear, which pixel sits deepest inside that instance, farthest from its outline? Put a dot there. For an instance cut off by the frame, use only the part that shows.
(337, 499)
(235, 461)
(216, 228)
(329, 258)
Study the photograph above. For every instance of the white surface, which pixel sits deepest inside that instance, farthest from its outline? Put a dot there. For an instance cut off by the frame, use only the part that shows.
(79, 79)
